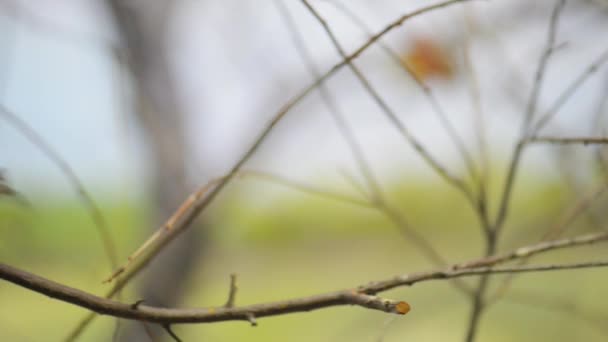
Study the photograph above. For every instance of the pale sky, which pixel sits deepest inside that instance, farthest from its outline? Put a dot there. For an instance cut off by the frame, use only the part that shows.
(233, 57)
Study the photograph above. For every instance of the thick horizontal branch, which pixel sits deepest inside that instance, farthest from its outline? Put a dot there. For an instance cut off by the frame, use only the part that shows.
(146, 313)
(568, 141)
(364, 296)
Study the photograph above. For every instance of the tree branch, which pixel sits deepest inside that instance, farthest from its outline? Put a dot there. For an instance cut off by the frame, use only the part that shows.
(567, 141)
(205, 195)
(87, 200)
(364, 295)
(390, 114)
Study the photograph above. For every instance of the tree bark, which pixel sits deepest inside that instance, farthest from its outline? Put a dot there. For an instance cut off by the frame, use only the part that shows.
(143, 28)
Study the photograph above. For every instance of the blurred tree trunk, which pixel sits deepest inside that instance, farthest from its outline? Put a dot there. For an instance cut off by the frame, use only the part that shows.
(143, 27)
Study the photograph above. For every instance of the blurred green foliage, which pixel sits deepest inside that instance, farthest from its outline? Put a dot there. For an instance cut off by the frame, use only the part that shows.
(286, 244)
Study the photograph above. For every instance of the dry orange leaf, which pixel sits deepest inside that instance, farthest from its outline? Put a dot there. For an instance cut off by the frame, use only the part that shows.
(427, 59)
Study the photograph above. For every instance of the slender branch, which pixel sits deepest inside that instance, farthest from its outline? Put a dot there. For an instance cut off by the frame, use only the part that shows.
(377, 197)
(332, 106)
(87, 200)
(542, 66)
(350, 179)
(171, 333)
(200, 199)
(419, 241)
(479, 121)
(305, 188)
(566, 141)
(528, 116)
(185, 221)
(171, 225)
(570, 90)
(492, 235)
(364, 296)
(389, 113)
(424, 88)
(231, 292)
(528, 251)
(555, 231)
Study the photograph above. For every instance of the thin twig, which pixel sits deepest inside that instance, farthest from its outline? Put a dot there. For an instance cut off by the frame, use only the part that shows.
(557, 230)
(418, 240)
(377, 197)
(356, 185)
(305, 188)
(568, 141)
(424, 88)
(591, 69)
(335, 112)
(170, 225)
(492, 235)
(364, 295)
(528, 116)
(200, 199)
(479, 122)
(231, 292)
(542, 66)
(529, 251)
(171, 333)
(390, 114)
(87, 200)
(204, 202)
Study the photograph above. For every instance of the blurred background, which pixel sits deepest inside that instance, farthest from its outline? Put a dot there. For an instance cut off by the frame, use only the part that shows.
(147, 100)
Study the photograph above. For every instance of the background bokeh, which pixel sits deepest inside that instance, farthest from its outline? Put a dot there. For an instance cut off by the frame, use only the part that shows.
(234, 64)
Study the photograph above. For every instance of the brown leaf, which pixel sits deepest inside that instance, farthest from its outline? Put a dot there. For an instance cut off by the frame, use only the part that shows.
(428, 59)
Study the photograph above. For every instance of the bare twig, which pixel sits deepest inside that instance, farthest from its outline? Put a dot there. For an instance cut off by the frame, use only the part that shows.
(231, 291)
(417, 240)
(170, 225)
(390, 114)
(306, 188)
(542, 66)
(356, 185)
(171, 333)
(332, 106)
(528, 251)
(493, 233)
(185, 221)
(570, 90)
(528, 117)
(426, 90)
(377, 199)
(87, 200)
(568, 141)
(200, 199)
(478, 119)
(364, 295)
(557, 230)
